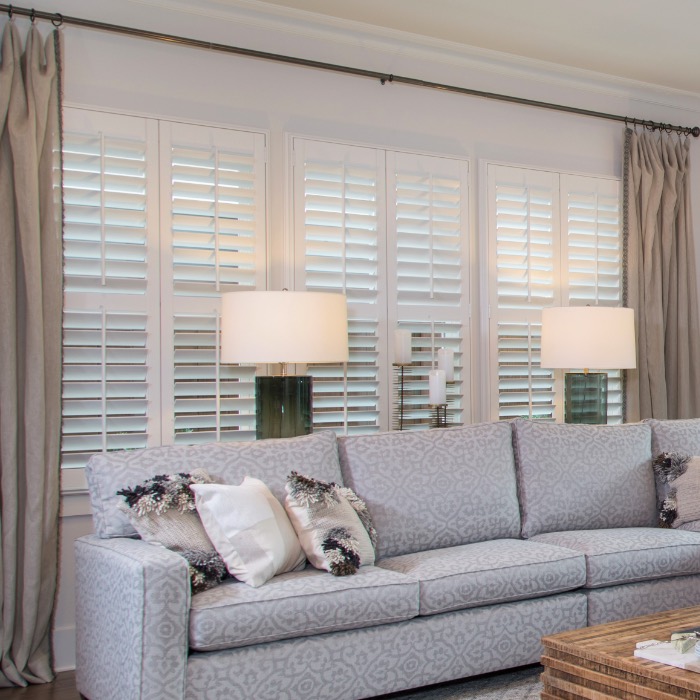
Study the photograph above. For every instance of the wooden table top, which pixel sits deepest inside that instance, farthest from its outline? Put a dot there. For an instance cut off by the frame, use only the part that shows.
(594, 655)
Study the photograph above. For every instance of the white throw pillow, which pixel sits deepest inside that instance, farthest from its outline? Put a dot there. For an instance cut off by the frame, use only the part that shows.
(250, 530)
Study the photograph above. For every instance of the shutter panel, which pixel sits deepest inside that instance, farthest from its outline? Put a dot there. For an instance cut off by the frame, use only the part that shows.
(111, 293)
(213, 213)
(427, 235)
(593, 255)
(524, 247)
(339, 221)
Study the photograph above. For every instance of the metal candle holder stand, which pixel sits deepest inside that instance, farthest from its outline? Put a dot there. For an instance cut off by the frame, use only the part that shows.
(438, 417)
(400, 372)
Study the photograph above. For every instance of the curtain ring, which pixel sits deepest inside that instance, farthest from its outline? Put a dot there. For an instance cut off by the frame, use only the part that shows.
(32, 15)
(9, 11)
(57, 20)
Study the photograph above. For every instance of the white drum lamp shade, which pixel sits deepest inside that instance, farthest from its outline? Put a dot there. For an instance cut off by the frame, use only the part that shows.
(288, 327)
(587, 337)
(591, 337)
(284, 327)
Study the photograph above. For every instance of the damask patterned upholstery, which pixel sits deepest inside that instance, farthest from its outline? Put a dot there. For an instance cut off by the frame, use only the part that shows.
(486, 573)
(625, 555)
(582, 477)
(270, 461)
(132, 605)
(299, 603)
(457, 592)
(386, 658)
(675, 436)
(623, 602)
(436, 488)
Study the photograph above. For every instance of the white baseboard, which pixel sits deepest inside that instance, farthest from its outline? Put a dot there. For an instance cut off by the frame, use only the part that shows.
(64, 648)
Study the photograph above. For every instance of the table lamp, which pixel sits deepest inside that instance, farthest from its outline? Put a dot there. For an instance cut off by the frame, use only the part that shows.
(591, 337)
(286, 328)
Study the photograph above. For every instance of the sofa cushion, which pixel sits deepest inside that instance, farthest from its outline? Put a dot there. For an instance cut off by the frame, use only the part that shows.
(435, 488)
(625, 555)
(675, 436)
(486, 573)
(580, 477)
(267, 460)
(298, 604)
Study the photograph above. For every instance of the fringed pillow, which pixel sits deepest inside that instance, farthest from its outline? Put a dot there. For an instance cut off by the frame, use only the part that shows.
(332, 523)
(678, 490)
(162, 511)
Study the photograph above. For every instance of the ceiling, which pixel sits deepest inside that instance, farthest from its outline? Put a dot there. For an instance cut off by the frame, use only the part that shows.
(645, 40)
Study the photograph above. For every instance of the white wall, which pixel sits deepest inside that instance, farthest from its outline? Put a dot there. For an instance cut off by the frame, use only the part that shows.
(120, 73)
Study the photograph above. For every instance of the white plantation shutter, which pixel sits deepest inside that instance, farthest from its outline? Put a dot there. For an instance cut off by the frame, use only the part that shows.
(339, 223)
(110, 277)
(427, 237)
(554, 239)
(390, 230)
(213, 218)
(160, 218)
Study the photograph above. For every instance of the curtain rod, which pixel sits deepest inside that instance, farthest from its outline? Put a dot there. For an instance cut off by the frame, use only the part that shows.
(58, 19)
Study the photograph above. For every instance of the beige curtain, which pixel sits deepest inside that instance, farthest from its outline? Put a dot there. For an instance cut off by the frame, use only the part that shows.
(30, 352)
(660, 277)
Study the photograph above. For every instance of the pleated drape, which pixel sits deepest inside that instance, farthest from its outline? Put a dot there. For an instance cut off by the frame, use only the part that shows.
(30, 351)
(661, 279)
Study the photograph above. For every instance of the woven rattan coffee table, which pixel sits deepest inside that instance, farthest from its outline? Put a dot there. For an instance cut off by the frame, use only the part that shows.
(599, 663)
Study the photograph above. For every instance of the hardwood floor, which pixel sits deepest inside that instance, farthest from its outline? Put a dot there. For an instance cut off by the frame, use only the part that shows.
(63, 688)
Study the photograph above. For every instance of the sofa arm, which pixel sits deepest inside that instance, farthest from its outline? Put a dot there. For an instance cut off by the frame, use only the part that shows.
(132, 612)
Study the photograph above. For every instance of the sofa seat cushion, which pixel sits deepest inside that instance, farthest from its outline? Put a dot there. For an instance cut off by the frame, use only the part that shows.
(486, 573)
(297, 604)
(625, 555)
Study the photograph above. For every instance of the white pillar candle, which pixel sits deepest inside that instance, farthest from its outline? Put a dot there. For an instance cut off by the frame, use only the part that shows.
(437, 390)
(446, 362)
(402, 347)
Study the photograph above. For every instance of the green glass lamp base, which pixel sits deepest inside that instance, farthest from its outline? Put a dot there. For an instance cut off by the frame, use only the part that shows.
(586, 397)
(283, 406)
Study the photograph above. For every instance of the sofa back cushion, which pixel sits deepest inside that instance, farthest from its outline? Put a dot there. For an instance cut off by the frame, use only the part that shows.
(584, 477)
(434, 488)
(675, 436)
(271, 461)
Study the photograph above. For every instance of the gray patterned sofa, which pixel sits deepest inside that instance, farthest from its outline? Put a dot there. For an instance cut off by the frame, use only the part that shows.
(490, 536)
